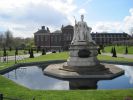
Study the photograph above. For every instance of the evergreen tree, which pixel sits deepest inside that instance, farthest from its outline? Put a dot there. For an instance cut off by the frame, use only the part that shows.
(31, 53)
(126, 50)
(37, 50)
(103, 50)
(16, 51)
(99, 52)
(112, 50)
(4, 52)
(59, 50)
(114, 53)
(10, 49)
(43, 52)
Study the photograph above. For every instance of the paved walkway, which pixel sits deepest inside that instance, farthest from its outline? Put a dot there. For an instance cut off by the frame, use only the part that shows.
(130, 56)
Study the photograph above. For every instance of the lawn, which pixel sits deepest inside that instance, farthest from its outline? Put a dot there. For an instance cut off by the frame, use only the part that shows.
(60, 56)
(119, 49)
(12, 52)
(11, 89)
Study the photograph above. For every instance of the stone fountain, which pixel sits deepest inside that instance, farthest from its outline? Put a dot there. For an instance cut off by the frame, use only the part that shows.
(83, 69)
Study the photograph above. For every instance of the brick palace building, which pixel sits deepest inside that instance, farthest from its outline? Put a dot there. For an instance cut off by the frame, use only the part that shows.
(61, 39)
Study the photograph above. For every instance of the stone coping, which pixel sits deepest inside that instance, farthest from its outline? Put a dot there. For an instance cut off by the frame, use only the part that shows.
(6, 70)
(56, 61)
(108, 71)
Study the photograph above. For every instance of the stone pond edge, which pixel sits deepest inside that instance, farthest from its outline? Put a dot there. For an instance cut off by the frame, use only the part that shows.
(41, 63)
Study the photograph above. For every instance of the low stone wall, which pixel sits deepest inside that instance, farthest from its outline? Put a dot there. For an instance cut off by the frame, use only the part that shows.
(41, 63)
(44, 63)
(118, 62)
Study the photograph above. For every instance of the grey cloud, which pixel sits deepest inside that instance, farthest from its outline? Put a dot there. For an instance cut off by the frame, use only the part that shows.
(38, 14)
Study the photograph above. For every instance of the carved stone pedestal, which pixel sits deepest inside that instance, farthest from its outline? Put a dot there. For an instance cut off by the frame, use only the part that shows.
(82, 56)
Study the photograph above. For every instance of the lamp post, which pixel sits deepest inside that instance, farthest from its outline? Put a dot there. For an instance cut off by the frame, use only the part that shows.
(15, 58)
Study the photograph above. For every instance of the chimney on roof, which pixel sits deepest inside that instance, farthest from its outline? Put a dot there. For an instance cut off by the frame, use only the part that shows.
(43, 27)
(48, 29)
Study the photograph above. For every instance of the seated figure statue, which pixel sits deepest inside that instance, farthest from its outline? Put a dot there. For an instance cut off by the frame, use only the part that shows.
(82, 32)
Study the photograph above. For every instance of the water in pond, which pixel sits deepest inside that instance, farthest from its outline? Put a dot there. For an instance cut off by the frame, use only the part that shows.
(33, 78)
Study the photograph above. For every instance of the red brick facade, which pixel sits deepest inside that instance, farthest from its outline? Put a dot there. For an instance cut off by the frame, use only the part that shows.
(58, 40)
(61, 39)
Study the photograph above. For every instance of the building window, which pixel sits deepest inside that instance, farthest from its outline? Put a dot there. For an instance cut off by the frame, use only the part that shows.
(67, 38)
(52, 39)
(59, 38)
(41, 38)
(70, 37)
(55, 38)
(37, 37)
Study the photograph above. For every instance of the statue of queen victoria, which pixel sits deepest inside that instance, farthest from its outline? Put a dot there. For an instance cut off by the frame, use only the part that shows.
(82, 32)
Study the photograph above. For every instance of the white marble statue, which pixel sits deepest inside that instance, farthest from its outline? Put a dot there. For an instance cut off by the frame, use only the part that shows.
(82, 32)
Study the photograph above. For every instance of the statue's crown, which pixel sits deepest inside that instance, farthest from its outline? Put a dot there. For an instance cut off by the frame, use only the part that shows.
(82, 17)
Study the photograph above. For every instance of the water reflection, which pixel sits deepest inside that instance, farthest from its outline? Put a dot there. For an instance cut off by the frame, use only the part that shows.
(122, 82)
(33, 78)
(83, 84)
(128, 72)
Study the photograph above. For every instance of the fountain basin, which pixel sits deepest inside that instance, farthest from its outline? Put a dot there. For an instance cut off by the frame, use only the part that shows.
(32, 77)
(109, 71)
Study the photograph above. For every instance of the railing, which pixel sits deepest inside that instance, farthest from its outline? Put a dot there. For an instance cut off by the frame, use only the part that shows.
(20, 59)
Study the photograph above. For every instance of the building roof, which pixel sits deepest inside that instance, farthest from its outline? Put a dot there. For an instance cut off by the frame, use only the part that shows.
(68, 26)
(107, 33)
(57, 31)
(42, 31)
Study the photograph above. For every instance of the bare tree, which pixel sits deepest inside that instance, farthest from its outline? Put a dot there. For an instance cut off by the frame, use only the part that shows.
(8, 38)
(1, 40)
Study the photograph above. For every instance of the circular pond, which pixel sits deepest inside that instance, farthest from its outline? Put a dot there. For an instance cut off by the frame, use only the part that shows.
(32, 77)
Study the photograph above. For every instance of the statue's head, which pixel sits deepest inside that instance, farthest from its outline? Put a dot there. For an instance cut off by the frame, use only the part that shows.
(82, 18)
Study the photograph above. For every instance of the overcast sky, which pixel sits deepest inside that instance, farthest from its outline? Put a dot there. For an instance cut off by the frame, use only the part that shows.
(24, 17)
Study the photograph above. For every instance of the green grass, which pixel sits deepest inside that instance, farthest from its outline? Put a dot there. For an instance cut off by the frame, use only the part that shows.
(119, 49)
(109, 58)
(11, 89)
(6, 65)
(52, 56)
(12, 53)
(60, 56)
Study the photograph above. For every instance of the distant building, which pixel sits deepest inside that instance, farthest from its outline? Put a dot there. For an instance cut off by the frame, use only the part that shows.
(61, 39)
(124, 42)
(109, 38)
(67, 36)
(57, 40)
